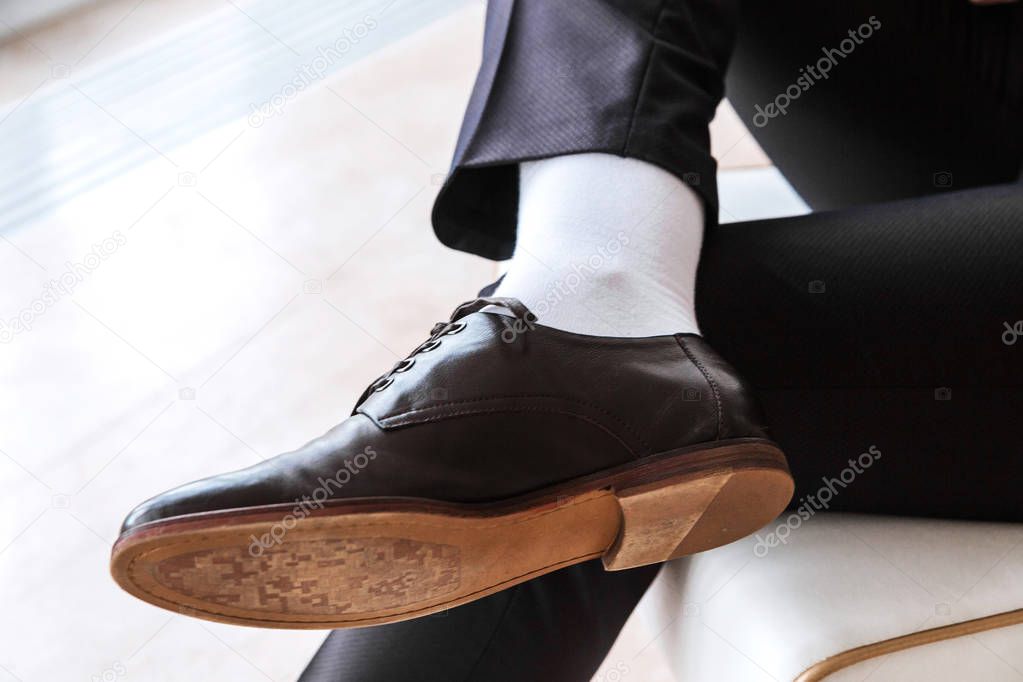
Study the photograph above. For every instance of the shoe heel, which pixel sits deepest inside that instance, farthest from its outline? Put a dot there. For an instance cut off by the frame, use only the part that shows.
(685, 514)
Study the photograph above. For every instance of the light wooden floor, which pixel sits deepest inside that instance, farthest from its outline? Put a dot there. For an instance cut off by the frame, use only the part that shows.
(257, 278)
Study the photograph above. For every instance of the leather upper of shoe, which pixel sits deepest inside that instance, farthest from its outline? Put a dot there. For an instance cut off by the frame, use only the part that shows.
(493, 405)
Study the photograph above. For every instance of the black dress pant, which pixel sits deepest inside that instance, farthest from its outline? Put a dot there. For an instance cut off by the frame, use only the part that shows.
(891, 322)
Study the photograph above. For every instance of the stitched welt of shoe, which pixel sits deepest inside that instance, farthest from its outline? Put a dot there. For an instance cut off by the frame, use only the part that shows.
(348, 565)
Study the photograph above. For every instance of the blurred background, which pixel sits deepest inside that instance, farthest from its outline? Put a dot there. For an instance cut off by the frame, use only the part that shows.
(214, 232)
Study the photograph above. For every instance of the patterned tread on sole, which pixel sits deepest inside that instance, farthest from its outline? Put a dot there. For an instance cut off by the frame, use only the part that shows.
(340, 576)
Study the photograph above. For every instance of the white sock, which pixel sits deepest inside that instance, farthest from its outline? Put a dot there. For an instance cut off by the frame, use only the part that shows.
(606, 246)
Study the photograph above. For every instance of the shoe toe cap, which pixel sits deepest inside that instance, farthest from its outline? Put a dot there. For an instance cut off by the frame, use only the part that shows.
(281, 480)
(219, 493)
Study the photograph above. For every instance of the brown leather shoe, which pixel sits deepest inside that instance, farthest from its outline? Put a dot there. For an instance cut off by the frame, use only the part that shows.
(499, 450)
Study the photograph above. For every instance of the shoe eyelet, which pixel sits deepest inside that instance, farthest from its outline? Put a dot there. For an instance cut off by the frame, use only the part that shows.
(383, 384)
(430, 345)
(455, 328)
(405, 365)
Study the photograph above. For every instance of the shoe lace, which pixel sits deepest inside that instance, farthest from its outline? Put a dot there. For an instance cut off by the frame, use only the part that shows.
(451, 326)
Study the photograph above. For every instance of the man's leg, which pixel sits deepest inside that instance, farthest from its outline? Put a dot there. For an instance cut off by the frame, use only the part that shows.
(633, 78)
(642, 82)
(861, 102)
(898, 326)
(606, 246)
(557, 627)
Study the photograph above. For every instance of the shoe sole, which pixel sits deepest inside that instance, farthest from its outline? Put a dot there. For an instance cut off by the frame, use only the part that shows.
(380, 560)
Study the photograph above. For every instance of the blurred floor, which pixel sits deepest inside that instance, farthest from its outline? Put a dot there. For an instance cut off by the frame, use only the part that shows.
(232, 282)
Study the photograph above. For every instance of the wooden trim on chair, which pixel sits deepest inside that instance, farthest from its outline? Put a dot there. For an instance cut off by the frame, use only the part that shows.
(818, 671)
